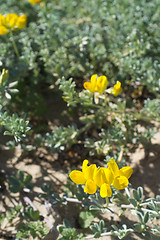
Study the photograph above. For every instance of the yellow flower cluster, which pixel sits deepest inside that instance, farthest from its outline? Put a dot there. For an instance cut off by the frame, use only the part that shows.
(34, 1)
(12, 22)
(94, 178)
(99, 84)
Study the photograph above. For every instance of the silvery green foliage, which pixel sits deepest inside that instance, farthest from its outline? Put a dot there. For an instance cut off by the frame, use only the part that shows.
(60, 138)
(145, 210)
(79, 38)
(151, 109)
(15, 126)
(122, 127)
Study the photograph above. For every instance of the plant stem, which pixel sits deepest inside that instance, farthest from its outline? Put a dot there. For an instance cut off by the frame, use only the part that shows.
(14, 45)
(121, 154)
(107, 234)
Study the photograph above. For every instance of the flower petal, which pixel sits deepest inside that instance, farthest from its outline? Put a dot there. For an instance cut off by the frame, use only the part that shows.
(126, 171)
(102, 83)
(113, 167)
(77, 177)
(105, 191)
(22, 21)
(84, 165)
(3, 30)
(90, 187)
(120, 182)
(117, 89)
(2, 20)
(11, 19)
(90, 172)
(94, 79)
(103, 175)
(89, 86)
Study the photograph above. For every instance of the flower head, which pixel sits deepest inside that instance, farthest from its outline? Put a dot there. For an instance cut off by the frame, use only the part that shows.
(34, 1)
(86, 176)
(12, 22)
(121, 176)
(97, 84)
(92, 177)
(117, 89)
(103, 178)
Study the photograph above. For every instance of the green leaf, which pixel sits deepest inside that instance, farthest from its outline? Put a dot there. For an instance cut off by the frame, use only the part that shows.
(140, 193)
(21, 175)
(146, 217)
(133, 202)
(14, 184)
(97, 235)
(7, 133)
(137, 227)
(27, 179)
(85, 219)
(94, 208)
(2, 217)
(34, 214)
(140, 216)
(101, 224)
(135, 194)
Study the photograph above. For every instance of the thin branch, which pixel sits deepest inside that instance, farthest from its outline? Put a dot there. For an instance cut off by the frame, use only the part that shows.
(108, 233)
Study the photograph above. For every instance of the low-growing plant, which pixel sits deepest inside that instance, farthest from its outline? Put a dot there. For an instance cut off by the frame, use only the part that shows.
(55, 47)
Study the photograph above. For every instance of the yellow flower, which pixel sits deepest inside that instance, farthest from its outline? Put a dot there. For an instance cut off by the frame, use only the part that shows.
(11, 22)
(103, 179)
(86, 176)
(34, 1)
(22, 21)
(121, 176)
(4, 76)
(97, 84)
(117, 89)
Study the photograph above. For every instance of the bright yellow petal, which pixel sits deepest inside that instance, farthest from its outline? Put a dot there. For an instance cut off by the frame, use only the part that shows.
(105, 191)
(102, 83)
(2, 20)
(3, 30)
(11, 19)
(117, 89)
(90, 187)
(109, 175)
(126, 171)
(94, 82)
(94, 79)
(113, 167)
(120, 182)
(103, 175)
(84, 165)
(22, 21)
(34, 1)
(77, 177)
(88, 86)
(117, 85)
(100, 177)
(90, 172)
